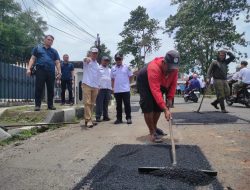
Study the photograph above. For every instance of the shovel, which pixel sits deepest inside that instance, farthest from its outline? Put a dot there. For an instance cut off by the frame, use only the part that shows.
(160, 171)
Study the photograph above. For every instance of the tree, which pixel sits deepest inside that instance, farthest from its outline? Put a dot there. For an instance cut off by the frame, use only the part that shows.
(139, 36)
(19, 31)
(203, 26)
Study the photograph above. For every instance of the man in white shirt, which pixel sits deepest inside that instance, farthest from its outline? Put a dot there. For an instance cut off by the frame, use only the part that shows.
(244, 78)
(121, 75)
(90, 85)
(234, 79)
(104, 94)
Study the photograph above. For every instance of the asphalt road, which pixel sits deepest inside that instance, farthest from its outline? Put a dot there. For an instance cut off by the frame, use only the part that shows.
(67, 157)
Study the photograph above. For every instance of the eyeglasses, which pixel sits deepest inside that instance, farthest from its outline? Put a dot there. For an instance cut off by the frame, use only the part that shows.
(118, 59)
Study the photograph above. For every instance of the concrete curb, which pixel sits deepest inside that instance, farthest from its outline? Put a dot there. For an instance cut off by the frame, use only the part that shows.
(57, 116)
(4, 134)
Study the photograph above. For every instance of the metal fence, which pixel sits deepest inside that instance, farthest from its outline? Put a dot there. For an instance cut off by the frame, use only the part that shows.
(15, 86)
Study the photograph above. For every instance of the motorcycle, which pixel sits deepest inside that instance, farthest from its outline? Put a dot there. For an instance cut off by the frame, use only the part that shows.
(243, 97)
(193, 95)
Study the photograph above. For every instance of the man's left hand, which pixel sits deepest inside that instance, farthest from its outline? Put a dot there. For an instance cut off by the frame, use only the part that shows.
(59, 75)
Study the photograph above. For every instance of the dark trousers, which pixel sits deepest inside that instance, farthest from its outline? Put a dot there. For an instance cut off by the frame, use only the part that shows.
(66, 84)
(125, 98)
(102, 102)
(44, 77)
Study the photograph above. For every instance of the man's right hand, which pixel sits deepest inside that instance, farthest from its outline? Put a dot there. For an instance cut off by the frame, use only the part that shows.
(167, 114)
(28, 72)
(208, 82)
(86, 60)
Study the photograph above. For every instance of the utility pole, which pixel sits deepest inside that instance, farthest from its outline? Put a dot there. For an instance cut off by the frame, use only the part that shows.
(97, 45)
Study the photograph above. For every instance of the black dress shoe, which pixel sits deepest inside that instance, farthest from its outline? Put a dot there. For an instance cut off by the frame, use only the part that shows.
(129, 121)
(37, 108)
(106, 119)
(52, 108)
(118, 122)
(98, 120)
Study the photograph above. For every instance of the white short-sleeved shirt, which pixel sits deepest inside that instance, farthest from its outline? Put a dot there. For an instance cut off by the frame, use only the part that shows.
(105, 78)
(201, 83)
(91, 74)
(244, 75)
(121, 75)
(236, 76)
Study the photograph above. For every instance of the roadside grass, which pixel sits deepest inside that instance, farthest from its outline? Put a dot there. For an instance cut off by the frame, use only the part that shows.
(26, 134)
(22, 115)
(25, 115)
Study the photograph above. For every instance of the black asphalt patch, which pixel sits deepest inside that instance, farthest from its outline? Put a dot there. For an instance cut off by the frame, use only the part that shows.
(118, 170)
(205, 118)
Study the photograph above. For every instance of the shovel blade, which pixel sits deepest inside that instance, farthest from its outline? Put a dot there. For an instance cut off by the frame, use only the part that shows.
(149, 169)
(209, 172)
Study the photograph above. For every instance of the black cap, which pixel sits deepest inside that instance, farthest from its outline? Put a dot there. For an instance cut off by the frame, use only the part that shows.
(118, 55)
(105, 58)
(172, 58)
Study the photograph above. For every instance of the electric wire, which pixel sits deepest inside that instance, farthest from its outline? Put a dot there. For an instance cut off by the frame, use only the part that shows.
(60, 19)
(63, 16)
(72, 12)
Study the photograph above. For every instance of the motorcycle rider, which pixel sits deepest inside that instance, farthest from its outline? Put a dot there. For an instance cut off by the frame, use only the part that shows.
(234, 78)
(218, 70)
(244, 78)
(194, 83)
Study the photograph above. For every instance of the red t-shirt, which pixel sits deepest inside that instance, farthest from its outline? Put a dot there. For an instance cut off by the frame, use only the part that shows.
(157, 78)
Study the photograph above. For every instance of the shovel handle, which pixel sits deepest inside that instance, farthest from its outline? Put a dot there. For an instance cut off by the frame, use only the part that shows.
(172, 143)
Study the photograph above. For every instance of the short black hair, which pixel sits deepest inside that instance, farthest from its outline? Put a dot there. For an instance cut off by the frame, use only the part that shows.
(49, 35)
(245, 63)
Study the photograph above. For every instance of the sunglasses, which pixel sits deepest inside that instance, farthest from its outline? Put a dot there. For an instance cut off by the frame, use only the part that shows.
(118, 59)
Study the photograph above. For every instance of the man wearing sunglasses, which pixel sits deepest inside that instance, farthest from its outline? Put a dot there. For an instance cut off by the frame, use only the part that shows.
(121, 75)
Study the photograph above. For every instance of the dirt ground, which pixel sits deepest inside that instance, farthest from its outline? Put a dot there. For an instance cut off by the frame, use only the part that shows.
(60, 159)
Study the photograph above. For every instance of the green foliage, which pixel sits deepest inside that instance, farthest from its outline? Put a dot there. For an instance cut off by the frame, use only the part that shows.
(19, 31)
(139, 36)
(203, 26)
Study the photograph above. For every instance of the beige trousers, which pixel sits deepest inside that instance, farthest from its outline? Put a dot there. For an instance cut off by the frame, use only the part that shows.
(89, 98)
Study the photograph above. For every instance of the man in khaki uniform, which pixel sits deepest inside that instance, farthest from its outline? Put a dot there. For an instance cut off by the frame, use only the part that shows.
(218, 70)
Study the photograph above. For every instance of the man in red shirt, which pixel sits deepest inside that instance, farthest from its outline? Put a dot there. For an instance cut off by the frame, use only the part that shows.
(159, 76)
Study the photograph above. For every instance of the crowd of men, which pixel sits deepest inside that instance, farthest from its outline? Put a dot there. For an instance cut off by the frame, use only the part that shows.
(155, 79)
(98, 82)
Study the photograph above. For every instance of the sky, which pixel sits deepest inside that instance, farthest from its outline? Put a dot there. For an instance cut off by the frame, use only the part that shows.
(107, 18)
